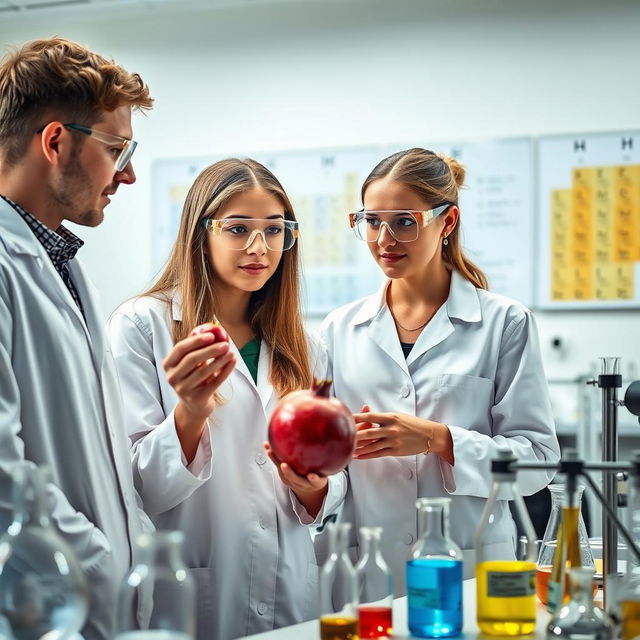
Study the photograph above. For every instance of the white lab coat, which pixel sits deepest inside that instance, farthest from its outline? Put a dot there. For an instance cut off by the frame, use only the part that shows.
(252, 558)
(60, 406)
(475, 367)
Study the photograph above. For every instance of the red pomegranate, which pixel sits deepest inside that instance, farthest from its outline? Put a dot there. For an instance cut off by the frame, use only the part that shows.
(214, 328)
(312, 432)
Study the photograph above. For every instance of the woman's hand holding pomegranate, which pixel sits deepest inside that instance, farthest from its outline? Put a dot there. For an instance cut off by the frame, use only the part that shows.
(195, 368)
(400, 434)
(310, 489)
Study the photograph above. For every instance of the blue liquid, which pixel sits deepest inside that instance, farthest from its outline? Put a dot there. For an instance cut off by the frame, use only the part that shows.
(434, 589)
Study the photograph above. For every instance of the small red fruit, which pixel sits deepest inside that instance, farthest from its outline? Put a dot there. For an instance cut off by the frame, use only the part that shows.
(214, 328)
(312, 432)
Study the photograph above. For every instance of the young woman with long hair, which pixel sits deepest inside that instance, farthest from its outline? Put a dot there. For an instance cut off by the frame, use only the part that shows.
(197, 411)
(447, 372)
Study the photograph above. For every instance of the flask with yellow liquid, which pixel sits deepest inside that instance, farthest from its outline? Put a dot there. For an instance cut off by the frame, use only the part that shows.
(338, 589)
(506, 594)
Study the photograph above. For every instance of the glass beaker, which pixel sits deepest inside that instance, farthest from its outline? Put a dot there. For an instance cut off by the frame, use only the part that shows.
(338, 588)
(579, 555)
(43, 592)
(579, 618)
(434, 574)
(375, 587)
(162, 586)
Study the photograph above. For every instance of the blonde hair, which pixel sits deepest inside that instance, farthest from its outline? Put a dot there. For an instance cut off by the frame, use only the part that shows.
(56, 78)
(274, 311)
(434, 178)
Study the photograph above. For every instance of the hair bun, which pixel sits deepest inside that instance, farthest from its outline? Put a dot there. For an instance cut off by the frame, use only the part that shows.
(457, 170)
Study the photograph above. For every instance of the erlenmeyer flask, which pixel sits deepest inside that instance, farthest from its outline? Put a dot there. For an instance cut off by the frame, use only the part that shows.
(579, 618)
(43, 592)
(575, 556)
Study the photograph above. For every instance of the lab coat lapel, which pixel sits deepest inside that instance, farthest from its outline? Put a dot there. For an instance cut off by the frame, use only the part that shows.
(438, 329)
(382, 329)
(22, 243)
(462, 303)
(265, 388)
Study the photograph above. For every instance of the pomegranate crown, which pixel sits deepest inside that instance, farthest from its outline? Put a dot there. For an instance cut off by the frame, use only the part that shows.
(321, 387)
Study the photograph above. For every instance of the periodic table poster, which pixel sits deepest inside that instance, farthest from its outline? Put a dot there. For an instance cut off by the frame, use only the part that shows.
(589, 227)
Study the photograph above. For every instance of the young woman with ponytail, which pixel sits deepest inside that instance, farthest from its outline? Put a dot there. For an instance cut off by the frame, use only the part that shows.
(440, 372)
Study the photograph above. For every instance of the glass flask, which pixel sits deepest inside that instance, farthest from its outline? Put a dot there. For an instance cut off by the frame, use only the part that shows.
(162, 587)
(630, 590)
(506, 600)
(565, 525)
(579, 618)
(375, 587)
(43, 592)
(434, 574)
(338, 588)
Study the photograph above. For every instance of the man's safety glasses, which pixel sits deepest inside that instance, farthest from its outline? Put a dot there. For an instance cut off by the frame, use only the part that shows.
(240, 233)
(403, 224)
(123, 147)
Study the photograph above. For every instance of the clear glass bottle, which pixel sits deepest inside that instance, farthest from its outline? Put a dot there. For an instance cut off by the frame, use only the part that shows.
(579, 618)
(434, 574)
(506, 596)
(630, 590)
(338, 588)
(375, 587)
(43, 592)
(576, 554)
(162, 587)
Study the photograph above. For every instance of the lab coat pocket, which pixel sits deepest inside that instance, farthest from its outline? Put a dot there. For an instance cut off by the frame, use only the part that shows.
(204, 601)
(465, 401)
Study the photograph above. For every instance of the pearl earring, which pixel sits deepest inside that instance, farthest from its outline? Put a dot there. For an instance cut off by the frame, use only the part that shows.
(445, 242)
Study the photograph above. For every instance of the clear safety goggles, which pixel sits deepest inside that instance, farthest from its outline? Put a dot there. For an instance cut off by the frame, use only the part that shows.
(240, 233)
(403, 224)
(122, 148)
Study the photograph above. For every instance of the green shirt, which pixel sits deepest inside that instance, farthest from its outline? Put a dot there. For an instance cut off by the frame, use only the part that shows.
(251, 354)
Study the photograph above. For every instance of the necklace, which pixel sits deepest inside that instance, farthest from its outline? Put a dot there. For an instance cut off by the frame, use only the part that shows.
(422, 326)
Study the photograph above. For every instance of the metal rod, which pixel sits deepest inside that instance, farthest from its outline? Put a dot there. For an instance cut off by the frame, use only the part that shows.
(609, 485)
(623, 531)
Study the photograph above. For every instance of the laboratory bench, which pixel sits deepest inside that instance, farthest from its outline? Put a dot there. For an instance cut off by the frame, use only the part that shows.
(311, 630)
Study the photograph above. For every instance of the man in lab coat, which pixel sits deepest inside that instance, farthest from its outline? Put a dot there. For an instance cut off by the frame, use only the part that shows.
(65, 148)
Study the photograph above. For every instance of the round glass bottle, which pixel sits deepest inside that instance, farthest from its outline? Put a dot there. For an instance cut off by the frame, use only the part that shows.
(434, 574)
(43, 592)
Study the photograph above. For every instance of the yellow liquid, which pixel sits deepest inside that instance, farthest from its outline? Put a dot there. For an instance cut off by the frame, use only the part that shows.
(504, 616)
(630, 610)
(338, 628)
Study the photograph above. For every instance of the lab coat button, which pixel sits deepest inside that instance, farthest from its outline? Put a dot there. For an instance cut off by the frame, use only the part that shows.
(408, 539)
(261, 459)
(262, 524)
(262, 608)
(409, 474)
(405, 391)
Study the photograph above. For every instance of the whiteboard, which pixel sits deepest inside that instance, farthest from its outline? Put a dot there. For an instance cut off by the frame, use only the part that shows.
(324, 185)
(496, 211)
(589, 231)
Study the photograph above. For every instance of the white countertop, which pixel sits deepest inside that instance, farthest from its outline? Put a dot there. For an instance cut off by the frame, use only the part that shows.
(311, 630)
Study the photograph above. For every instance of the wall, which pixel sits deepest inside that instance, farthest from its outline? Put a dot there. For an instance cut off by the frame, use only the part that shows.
(307, 74)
